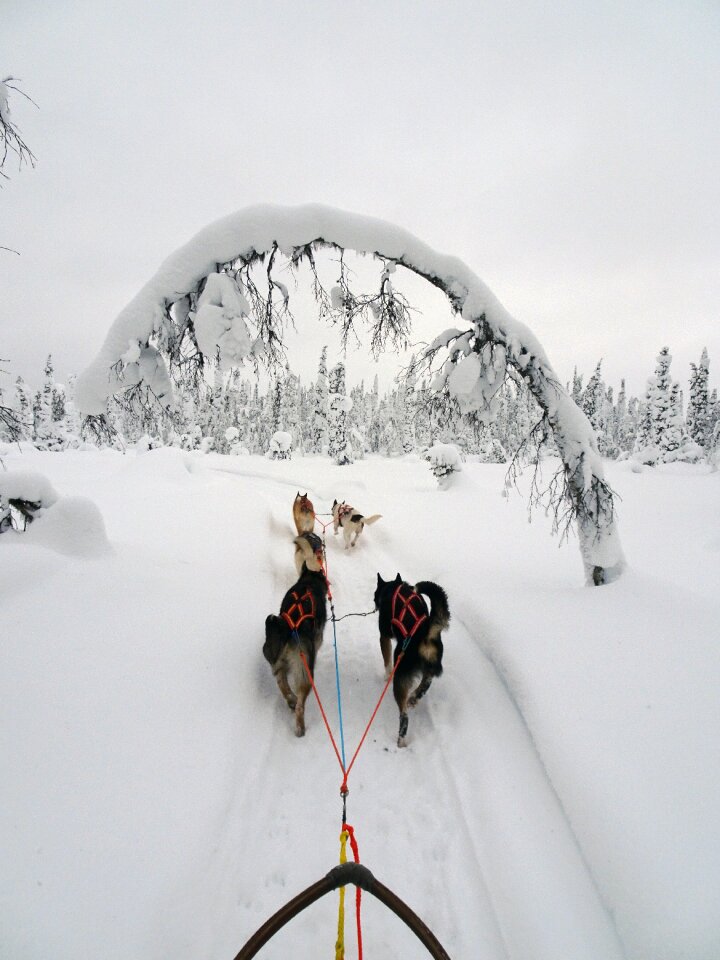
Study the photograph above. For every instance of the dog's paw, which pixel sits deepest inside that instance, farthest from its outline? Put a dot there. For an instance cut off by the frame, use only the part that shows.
(402, 742)
(299, 730)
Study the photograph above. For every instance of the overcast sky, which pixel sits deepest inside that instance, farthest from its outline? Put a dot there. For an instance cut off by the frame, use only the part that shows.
(569, 153)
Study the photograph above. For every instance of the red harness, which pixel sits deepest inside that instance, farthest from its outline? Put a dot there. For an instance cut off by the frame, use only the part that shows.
(344, 511)
(302, 609)
(408, 611)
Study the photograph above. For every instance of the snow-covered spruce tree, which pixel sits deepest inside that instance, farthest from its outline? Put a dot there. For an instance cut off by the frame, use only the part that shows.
(47, 427)
(608, 440)
(320, 406)
(276, 406)
(595, 406)
(357, 420)
(593, 396)
(645, 448)
(699, 420)
(675, 435)
(339, 447)
(662, 399)
(11, 423)
(222, 292)
(22, 400)
(409, 412)
(290, 408)
(376, 426)
(577, 388)
(655, 411)
(625, 418)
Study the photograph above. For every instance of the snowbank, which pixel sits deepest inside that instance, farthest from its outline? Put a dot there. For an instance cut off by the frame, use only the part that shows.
(561, 776)
(74, 526)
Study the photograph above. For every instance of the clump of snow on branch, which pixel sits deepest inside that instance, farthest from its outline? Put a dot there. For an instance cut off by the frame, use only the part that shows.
(148, 371)
(221, 321)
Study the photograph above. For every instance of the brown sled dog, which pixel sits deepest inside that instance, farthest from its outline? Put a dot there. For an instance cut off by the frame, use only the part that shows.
(299, 628)
(404, 617)
(303, 514)
(352, 523)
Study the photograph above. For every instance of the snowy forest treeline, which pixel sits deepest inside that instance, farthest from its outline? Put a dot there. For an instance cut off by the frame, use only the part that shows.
(233, 415)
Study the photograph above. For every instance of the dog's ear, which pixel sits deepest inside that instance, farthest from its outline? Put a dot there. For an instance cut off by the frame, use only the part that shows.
(297, 495)
(334, 503)
(380, 580)
(398, 578)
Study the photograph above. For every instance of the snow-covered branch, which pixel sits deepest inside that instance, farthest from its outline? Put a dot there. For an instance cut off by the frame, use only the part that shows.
(233, 316)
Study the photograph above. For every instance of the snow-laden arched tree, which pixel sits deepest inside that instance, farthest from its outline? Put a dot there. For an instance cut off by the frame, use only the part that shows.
(220, 295)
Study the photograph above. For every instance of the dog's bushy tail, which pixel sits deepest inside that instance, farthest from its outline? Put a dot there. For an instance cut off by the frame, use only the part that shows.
(439, 607)
(277, 634)
(372, 519)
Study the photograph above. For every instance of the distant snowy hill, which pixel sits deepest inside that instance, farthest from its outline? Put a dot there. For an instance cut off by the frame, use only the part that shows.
(559, 796)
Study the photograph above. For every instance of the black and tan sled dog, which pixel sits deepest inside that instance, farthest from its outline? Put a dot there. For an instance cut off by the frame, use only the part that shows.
(299, 627)
(404, 617)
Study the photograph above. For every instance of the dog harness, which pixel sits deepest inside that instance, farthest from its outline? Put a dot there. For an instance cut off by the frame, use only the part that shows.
(302, 609)
(344, 511)
(408, 610)
(316, 546)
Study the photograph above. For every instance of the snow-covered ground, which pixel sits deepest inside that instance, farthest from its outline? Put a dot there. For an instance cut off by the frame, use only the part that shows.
(559, 796)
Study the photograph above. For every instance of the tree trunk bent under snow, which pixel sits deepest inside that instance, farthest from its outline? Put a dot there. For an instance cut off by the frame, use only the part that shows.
(204, 294)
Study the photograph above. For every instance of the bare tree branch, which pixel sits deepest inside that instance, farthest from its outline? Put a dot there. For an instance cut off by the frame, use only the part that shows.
(11, 141)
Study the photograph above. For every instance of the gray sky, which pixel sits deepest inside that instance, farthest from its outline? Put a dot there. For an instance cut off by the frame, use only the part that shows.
(568, 152)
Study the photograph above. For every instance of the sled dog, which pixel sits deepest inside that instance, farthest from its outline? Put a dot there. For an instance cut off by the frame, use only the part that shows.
(309, 550)
(299, 628)
(303, 514)
(351, 521)
(405, 618)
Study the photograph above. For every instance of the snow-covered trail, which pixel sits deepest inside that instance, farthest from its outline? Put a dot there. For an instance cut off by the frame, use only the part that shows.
(157, 802)
(295, 785)
(489, 815)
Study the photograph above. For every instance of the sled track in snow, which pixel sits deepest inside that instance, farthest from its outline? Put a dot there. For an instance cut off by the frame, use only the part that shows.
(491, 814)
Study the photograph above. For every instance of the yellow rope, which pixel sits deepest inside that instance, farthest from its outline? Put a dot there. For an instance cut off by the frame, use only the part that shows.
(340, 942)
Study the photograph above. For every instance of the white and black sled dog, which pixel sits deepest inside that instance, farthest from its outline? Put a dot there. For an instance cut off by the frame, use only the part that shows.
(352, 523)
